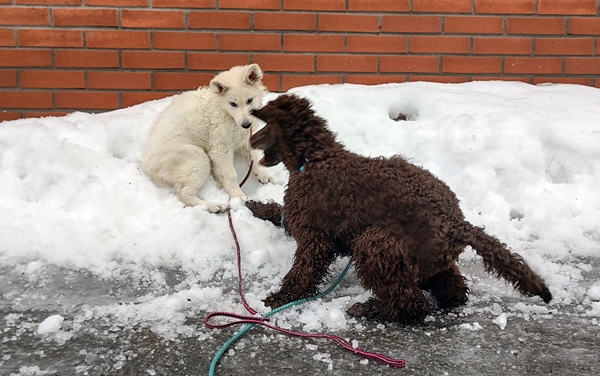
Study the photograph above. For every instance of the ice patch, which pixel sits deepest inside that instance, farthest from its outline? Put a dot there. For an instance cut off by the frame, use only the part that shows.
(500, 321)
(50, 325)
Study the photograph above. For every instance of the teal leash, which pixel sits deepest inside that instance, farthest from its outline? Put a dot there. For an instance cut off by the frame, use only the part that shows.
(242, 331)
(264, 319)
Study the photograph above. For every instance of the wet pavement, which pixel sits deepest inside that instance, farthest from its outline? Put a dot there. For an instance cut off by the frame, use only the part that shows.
(537, 339)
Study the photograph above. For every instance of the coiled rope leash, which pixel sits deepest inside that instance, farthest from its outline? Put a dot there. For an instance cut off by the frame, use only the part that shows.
(264, 319)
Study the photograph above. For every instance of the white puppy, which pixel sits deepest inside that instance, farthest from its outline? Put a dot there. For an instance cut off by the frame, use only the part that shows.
(198, 133)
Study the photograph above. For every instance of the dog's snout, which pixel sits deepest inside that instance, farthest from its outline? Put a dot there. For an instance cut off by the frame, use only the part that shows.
(246, 124)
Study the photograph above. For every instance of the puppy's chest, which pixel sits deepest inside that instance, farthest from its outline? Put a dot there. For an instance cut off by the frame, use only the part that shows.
(225, 132)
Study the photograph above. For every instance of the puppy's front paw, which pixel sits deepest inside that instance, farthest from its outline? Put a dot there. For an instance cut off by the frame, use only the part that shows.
(263, 177)
(214, 207)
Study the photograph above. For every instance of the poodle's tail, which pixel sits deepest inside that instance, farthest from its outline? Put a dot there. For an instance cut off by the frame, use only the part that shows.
(498, 260)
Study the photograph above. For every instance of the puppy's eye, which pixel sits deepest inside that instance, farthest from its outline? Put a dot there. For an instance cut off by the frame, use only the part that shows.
(233, 104)
(249, 101)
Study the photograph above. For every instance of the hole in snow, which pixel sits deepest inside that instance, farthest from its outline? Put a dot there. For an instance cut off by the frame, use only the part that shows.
(403, 112)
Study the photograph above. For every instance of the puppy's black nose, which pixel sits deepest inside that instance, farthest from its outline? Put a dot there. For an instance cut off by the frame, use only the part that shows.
(246, 124)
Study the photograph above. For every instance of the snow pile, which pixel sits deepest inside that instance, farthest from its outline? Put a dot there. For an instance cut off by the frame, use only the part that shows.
(524, 161)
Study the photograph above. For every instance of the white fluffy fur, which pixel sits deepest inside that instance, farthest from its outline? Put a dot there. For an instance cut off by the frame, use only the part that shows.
(198, 133)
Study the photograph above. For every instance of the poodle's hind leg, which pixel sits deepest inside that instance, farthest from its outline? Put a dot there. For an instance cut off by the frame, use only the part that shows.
(383, 266)
(448, 287)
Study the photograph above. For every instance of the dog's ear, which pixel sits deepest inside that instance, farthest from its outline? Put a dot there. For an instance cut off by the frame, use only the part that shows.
(253, 74)
(218, 87)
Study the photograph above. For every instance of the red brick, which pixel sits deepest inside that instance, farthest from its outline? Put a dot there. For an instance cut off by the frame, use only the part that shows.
(471, 64)
(189, 40)
(85, 17)
(153, 60)
(442, 6)
(505, 6)
(376, 79)
(377, 43)
(532, 65)
(564, 46)
(118, 3)
(567, 7)
(52, 79)
(25, 16)
(119, 80)
(597, 82)
(249, 4)
(117, 39)
(152, 19)
(7, 116)
(133, 98)
(25, 99)
(533, 25)
(440, 79)
(584, 26)
(379, 5)
(216, 61)
(562, 80)
(349, 23)
(409, 64)
(582, 65)
(286, 62)
(48, 2)
(474, 25)
(219, 20)
(49, 38)
(272, 82)
(26, 58)
(314, 5)
(411, 24)
(87, 100)
(87, 59)
(181, 81)
(249, 42)
(346, 63)
(291, 81)
(7, 37)
(442, 44)
(502, 46)
(313, 43)
(183, 4)
(8, 78)
(285, 21)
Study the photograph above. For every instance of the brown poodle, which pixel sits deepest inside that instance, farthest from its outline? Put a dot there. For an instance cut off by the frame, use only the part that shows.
(401, 226)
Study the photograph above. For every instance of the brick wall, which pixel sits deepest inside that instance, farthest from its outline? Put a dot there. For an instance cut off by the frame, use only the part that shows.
(57, 56)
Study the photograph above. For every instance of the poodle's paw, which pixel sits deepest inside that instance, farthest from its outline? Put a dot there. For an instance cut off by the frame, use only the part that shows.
(270, 211)
(361, 310)
(277, 300)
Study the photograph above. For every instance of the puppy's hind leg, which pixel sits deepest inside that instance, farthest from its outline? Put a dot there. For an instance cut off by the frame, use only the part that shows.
(383, 266)
(190, 174)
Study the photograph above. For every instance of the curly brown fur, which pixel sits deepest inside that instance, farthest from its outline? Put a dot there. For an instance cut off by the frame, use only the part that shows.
(402, 226)
(270, 211)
